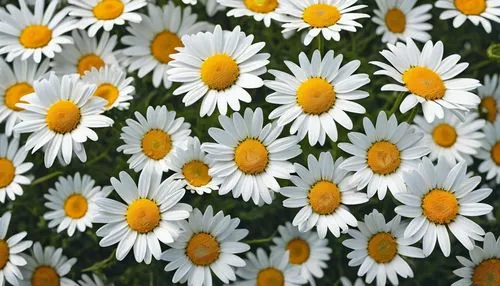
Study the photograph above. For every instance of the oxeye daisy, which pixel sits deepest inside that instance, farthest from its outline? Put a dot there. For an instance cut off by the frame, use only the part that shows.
(12, 168)
(249, 156)
(152, 140)
(400, 19)
(489, 153)
(193, 166)
(428, 78)
(94, 281)
(304, 249)
(346, 282)
(209, 243)
(489, 93)
(476, 11)
(59, 115)
(152, 42)
(377, 249)
(47, 266)
(317, 95)
(260, 10)
(112, 85)
(14, 84)
(315, 17)
(382, 154)
(219, 74)
(151, 214)
(321, 191)
(97, 14)
(72, 203)
(10, 252)
(439, 198)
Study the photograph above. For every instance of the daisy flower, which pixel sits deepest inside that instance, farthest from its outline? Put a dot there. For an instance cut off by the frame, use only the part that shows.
(328, 17)
(94, 281)
(152, 42)
(14, 84)
(249, 157)
(59, 115)
(489, 93)
(151, 214)
(13, 168)
(451, 138)
(152, 140)
(321, 191)
(211, 6)
(46, 266)
(72, 203)
(218, 67)
(112, 85)
(25, 34)
(476, 11)
(260, 10)
(483, 268)
(346, 282)
(377, 248)
(489, 153)
(428, 78)
(439, 198)
(193, 166)
(10, 252)
(97, 14)
(209, 243)
(382, 154)
(304, 249)
(317, 94)
(400, 19)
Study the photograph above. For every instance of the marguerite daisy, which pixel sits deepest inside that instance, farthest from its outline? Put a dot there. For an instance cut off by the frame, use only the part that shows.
(318, 94)
(489, 93)
(489, 153)
(249, 157)
(428, 78)
(219, 74)
(260, 10)
(382, 154)
(12, 168)
(94, 281)
(321, 191)
(209, 243)
(476, 11)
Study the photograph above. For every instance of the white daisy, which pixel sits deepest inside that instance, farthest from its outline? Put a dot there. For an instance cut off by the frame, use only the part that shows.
(400, 19)
(10, 252)
(304, 249)
(328, 17)
(439, 198)
(218, 66)
(489, 154)
(152, 140)
(12, 168)
(192, 166)
(260, 10)
(476, 11)
(322, 191)
(94, 281)
(249, 157)
(378, 247)
(60, 114)
(209, 243)
(318, 94)
(489, 93)
(382, 154)
(152, 42)
(151, 213)
(428, 78)
(14, 84)
(25, 34)
(97, 14)
(346, 282)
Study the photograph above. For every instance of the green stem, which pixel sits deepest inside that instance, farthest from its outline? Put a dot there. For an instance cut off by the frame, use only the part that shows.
(260, 240)
(98, 158)
(46, 178)
(101, 264)
(413, 114)
(320, 43)
(398, 101)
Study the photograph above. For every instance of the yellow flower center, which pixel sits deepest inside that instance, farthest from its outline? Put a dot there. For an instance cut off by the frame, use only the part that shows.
(324, 197)
(203, 249)
(495, 153)
(424, 82)
(14, 93)
(35, 36)
(261, 6)
(270, 276)
(143, 215)
(316, 96)
(89, 61)
(489, 107)
(382, 247)
(76, 206)
(4, 253)
(299, 251)
(440, 206)
(108, 9)
(45, 276)
(395, 20)
(156, 144)
(470, 7)
(251, 156)
(321, 15)
(108, 92)
(487, 273)
(383, 158)
(163, 45)
(196, 173)
(63, 116)
(7, 172)
(219, 71)
(444, 135)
